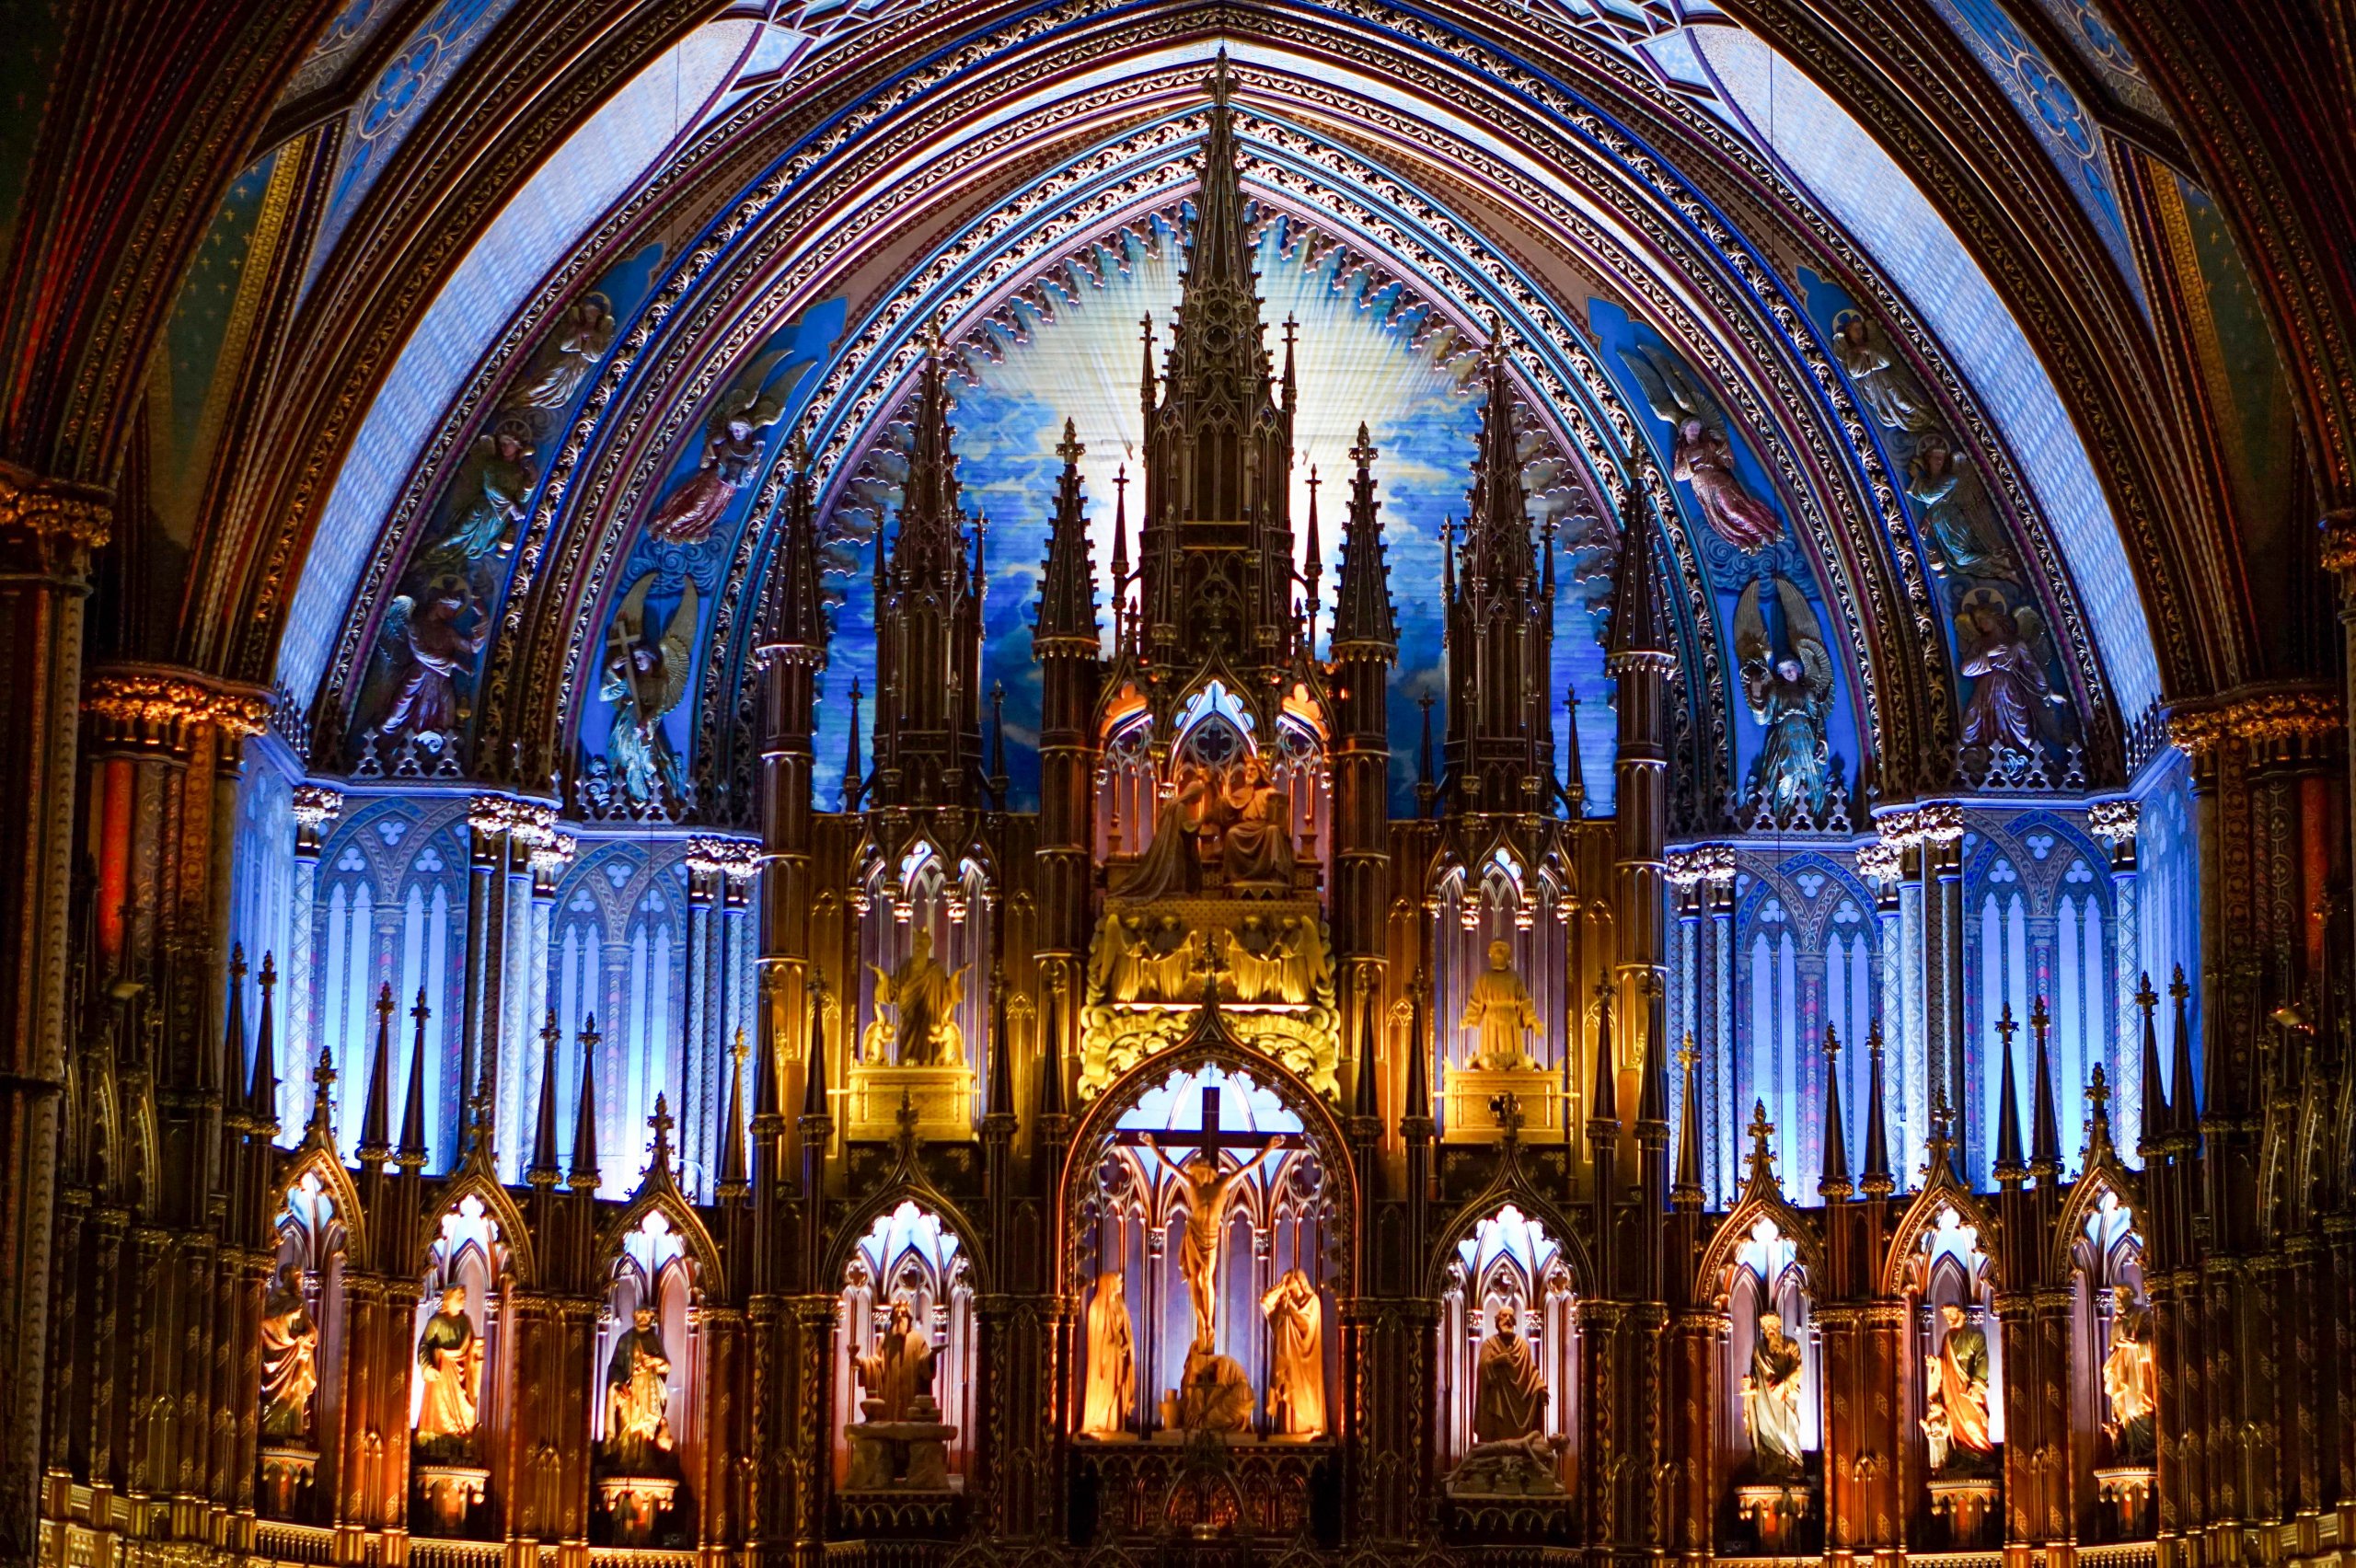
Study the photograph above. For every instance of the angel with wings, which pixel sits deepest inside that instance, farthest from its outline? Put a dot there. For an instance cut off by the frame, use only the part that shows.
(731, 456)
(1702, 453)
(645, 680)
(2006, 652)
(580, 341)
(423, 633)
(1787, 678)
(503, 476)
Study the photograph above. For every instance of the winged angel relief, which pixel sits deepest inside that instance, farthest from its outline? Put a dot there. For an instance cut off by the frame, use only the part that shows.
(2006, 652)
(1701, 451)
(645, 680)
(732, 443)
(1787, 679)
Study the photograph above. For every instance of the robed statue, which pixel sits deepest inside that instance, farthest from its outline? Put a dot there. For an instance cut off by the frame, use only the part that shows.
(1295, 1356)
(1111, 1392)
(1499, 1014)
(924, 998)
(1208, 1190)
(1955, 1419)
(1771, 1399)
(1213, 1394)
(897, 1374)
(449, 1365)
(1256, 849)
(637, 1397)
(1172, 863)
(2129, 1379)
(1512, 1401)
(290, 1360)
(1787, 682)
(2005, 653)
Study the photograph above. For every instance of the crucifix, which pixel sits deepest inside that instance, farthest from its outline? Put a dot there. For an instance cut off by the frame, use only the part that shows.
(1207, 1188)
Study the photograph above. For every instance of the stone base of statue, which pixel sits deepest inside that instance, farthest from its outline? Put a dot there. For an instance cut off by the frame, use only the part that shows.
(448, 1492)
(1967, 1504)
(2127, 1491)
(1510, 1466)
(287, 1475)
(899, 1456)
(1469, 1097)
(1775, 1509)
(633, 1504)
(943, 1098)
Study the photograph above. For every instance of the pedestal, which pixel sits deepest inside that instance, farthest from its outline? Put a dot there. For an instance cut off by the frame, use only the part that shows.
(633, 1503)
(285, 1479)
(2127, 1490)
(1966, 1505)
(1775, 1510)
(1469, 1097)
(943, 1098)
(449, 1490)
(898, 1456)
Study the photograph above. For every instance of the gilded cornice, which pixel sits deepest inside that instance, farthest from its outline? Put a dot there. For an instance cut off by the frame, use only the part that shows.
(159, 707)
(2282, 716)
(57, 512)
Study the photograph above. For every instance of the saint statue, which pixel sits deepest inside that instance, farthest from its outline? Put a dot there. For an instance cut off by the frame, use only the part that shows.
(1213, 1394)
(1112, 1391)
(2129, 1379)
(580, 341)
(1171, 863)
(449, 1362)
(1114, 959)
(732, 445)
(645, 678)
(1771, 1400)
(1208, 1189)
(1295, 1356)
(897, 1374)
(290, 1360)
(1787, 682)
(638, 1396)
(1512, 1401)
(1500, 1012)
(1957, 1414)
(1256, 849)
(924, 997)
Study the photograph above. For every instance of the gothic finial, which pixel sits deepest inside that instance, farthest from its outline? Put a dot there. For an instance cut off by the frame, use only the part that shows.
(1418, 1105)
(262, 1094)
(233, 1043)
(543, 1172)
(2155, 1121)
(1877, 1181)
(1603, 1105)
(1763, 1154)
(1687, 1193)
(2009, 1170)
(662, 1122)
(1833, 1182)
(1366, 1104)
(585, 1176)
(410, 1155)
(1507, 1109)
(2045, 1130)
(1001, 1097)
(732, 1184)
(2098, 1146)
(906, 1137)
(1365, 623)
(2185, 1098)
(853, 784)
(323, 1076)
(375, 1115)
(814, 1086)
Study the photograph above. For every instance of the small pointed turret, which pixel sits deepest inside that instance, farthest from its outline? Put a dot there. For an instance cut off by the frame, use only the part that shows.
(2186, 1101)
(2045, 1127)
(1221, 250)
(1067, 622)
(1762, 1177)
(732, 1184)
(813, 1084)
(854, 783)
(1876, 1181)
(376, 1113)
(1637, 626)
(2098, 1145)
(1365, 623)
(233, 1044)
(1687, 1194)
(585, 1176)
(658, 1157)
(321, 1128)
(1652, 1082)
(262, 1094)
(1832, 1183)
(1603, 1105)
(2157, 1118)
(411, 1154)
(1001, 1094)
(800, 600)
(1313, 569)
(2009, 1170)
(542, 1173)
(1418, 1106)
(1366, 1100)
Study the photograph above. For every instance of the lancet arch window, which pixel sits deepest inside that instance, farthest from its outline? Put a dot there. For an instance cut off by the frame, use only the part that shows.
(1213, 735)
(949, 908)
(1807, 956)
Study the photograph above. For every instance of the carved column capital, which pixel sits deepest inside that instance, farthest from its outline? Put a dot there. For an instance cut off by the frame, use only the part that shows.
(160, 707)
(50, 526)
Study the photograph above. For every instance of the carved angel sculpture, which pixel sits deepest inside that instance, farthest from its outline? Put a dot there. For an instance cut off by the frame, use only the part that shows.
(502, 476)
(1953, 506)
(423, 634)
(731, 456)
(1885, 388)
(1787, 679)
(645, 680)
(2006, 652)
(1702, 453)
(579, 340)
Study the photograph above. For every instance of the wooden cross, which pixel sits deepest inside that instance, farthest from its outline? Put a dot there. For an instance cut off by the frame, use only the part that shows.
(1507, 1107)
(1212, 1138)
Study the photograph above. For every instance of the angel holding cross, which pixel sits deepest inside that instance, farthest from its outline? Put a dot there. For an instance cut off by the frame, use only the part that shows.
(1208, 1189)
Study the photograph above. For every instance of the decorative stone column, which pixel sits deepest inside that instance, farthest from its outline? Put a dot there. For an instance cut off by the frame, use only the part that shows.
(2115, 823)
(1883, 866)
(1703, 879)
(315, 807)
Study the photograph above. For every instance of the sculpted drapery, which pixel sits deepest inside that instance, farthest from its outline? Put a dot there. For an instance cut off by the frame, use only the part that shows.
(1512, 1397)
(1295, 1356)
(637, 1395)
(1112, 1391)
(449, 1361)
(290, 1343)
(1957, 1420)
(1770, 1397)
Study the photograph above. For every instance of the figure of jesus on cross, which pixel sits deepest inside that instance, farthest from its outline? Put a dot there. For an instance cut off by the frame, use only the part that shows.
(1207, 1191)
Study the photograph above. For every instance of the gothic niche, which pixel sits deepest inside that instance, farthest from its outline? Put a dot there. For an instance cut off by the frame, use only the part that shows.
(1207, 1314)
(1771, 1391)
(302, 1331)
(904, 1361)
(645, 1358)
(2114, 1386)
(1508, 1364)
(457, 1387)
(1499, 985)
(1955, 1381)
(923, 996)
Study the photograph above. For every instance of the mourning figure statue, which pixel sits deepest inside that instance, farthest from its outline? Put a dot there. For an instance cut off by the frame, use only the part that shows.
(1295, 1356)
(2129, 1379)
(1499, 1014)
(1112, 1391)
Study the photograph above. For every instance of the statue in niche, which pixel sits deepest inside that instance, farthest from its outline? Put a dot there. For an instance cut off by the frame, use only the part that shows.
(924, 998)
(290, 1360)
(1295, 1356)
(2129, 1379)
(1787, 680)
(637, 1397)
(1500, 1014)
(1255, 850)
(1207, 1191)
(1283, 963)
(1954, 510)
(1172, 862)
(1178, 956)
(2004, 651)
(1884, 386)
(1213, 1395)
(430, 648)
(897, 1374)
(1956, 1421)
(503, 478)
(732, 456)
(449, 1363)
(581, 339)
(1114, 959)
(1511, 1398)
(1111, 1392)
(1771, 1400)
(1701, 453)
(644, 679)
